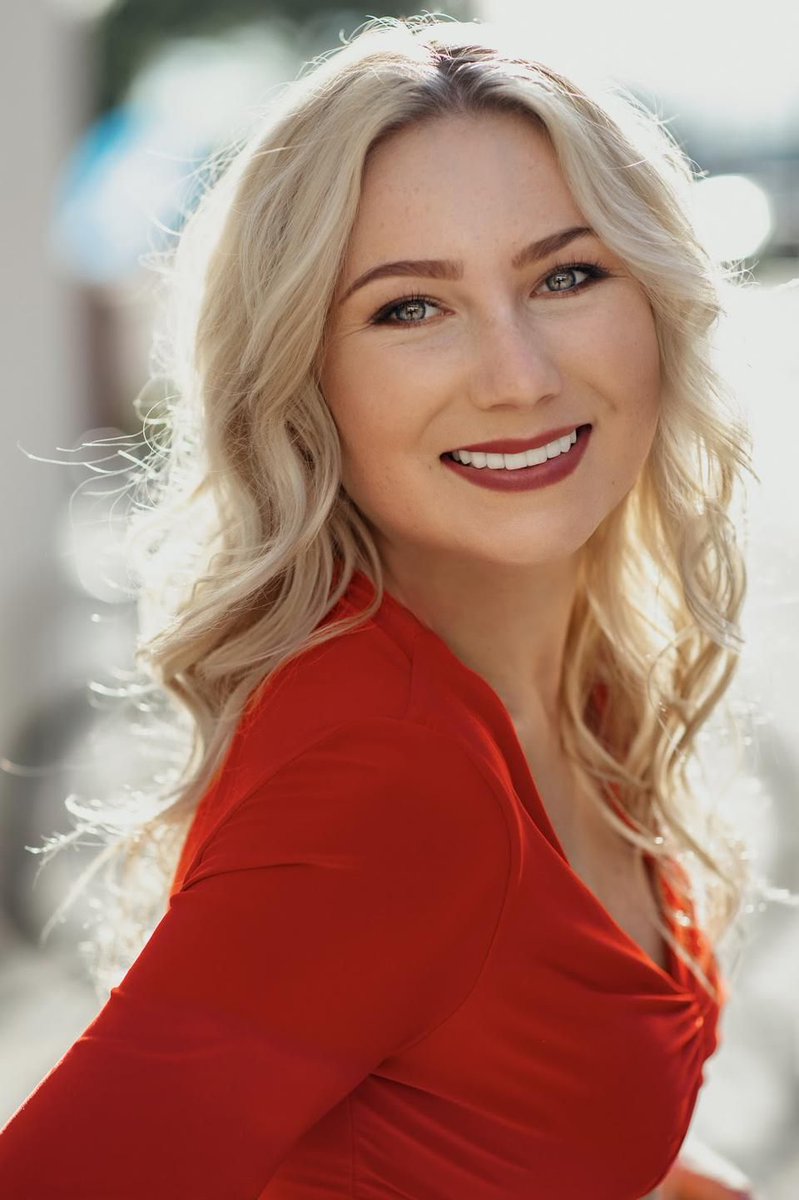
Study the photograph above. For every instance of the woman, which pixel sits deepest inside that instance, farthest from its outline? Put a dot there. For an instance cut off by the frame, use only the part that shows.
(445, 405)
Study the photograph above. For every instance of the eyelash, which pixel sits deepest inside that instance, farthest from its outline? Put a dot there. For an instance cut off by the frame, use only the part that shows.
(593, 269)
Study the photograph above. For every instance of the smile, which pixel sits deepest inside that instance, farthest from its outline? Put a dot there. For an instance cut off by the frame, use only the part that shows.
(513, 462)
(522, 472)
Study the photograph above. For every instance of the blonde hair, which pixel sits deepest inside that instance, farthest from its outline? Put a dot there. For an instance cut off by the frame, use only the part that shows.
(243, 539)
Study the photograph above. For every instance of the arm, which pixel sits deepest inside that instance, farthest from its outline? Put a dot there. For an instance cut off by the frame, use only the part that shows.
(342, 910)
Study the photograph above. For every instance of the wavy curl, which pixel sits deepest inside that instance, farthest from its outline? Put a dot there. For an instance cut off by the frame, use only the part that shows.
(242, 538)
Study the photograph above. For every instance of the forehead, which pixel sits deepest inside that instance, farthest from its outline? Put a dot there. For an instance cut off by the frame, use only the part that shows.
(473, 173)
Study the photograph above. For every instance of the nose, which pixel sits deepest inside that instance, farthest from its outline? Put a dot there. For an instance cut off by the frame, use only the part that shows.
(514, 365)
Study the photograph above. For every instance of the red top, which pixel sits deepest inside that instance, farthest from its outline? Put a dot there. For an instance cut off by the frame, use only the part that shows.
(378, 975)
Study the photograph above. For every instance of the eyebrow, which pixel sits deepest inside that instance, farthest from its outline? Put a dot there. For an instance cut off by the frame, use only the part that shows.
(446, 268)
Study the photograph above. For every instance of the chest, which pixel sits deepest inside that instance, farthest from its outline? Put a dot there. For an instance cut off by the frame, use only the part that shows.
(566, 1038)
(607, 863)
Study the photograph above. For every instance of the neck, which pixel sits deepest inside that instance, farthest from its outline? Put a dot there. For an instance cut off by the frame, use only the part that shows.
(508, 624)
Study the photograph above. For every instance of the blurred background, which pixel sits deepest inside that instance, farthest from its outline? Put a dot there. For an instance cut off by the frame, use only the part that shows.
(111, 107)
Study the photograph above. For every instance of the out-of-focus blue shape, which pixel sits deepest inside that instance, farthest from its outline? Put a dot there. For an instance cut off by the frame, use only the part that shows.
(120, 188)
(137, 172)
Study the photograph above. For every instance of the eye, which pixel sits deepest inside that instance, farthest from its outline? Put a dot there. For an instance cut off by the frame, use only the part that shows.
(411, 310)
(412, 306)
(564, 277)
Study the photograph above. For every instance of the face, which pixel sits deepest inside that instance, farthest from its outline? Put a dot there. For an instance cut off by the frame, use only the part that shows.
(505, 350)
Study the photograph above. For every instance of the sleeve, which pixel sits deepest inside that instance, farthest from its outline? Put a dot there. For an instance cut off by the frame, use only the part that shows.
(341, 911)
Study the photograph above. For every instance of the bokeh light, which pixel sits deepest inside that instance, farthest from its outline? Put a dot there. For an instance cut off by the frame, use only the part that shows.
(732, 215)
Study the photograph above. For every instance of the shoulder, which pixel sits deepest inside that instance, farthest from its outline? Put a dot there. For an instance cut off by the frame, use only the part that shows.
(384, 792)
(358, 674)
(380, 856)
(347, 736)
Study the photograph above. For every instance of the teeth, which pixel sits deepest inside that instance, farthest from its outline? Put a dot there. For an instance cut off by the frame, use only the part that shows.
(512, 462)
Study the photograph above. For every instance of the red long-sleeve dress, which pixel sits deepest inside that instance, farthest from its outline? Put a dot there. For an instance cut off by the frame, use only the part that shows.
(378, 976)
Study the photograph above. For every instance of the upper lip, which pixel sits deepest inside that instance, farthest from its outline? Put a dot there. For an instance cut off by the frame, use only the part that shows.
(516, 446)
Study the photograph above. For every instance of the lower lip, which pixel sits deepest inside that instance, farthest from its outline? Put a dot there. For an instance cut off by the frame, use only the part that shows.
(525, 479)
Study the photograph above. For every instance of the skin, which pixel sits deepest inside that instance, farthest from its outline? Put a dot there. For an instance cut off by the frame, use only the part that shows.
(498, 353)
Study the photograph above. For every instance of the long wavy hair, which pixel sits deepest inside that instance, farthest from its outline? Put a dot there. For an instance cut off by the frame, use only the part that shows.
(242, 538)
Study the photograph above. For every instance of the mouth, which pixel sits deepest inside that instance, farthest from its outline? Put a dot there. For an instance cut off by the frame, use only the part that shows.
(581, 432)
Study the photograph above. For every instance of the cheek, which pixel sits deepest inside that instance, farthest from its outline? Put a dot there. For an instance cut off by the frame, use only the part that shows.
(620, 364)
(623, 355)
(363, 402)
(350, 396)
(380, 406)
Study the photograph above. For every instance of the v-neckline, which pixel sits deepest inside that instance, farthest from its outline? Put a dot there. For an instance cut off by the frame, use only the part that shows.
(669, 975)
(503, 724)
(671, 970)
